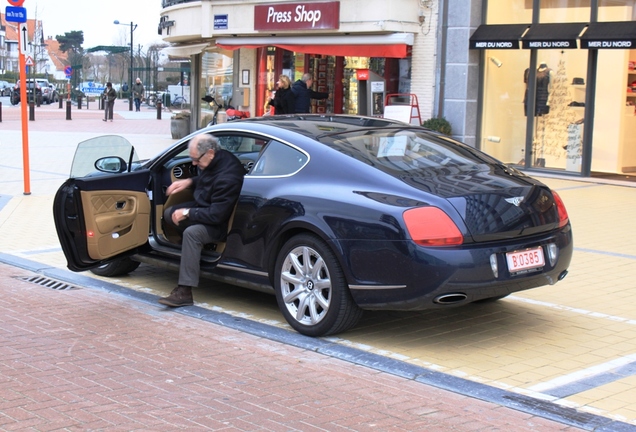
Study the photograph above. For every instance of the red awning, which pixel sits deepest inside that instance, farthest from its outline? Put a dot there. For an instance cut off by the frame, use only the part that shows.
(394, 46)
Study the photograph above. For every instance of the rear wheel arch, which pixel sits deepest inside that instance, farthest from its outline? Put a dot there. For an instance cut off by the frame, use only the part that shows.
(293, 231)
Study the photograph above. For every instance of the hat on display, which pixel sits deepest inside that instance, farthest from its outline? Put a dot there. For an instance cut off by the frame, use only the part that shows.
(578, 81)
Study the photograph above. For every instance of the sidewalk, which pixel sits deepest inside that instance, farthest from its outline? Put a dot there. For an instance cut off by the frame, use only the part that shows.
(85, 359)
(563, 352)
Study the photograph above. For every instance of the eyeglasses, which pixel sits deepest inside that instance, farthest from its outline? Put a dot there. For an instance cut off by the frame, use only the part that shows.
(196, 160)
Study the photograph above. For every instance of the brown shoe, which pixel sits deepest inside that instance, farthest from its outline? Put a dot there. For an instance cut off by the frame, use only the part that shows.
(180, 296)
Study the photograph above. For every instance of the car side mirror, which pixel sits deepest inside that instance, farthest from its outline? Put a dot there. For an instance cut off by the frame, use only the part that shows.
(111, 164)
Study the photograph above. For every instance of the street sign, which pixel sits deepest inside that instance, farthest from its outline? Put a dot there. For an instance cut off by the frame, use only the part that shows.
(29, 61)
(15, 14)
(24, 39)
(68, 71)
(16, 2)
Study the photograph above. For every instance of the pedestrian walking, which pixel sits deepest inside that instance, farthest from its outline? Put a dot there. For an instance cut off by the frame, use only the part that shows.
(109, 97)
(138, 93)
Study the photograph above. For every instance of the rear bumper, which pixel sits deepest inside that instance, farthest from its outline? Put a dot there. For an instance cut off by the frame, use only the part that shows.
(402, 276)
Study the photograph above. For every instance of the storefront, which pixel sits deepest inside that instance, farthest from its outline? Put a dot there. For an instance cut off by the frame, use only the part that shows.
(556, 88)
(356, 55)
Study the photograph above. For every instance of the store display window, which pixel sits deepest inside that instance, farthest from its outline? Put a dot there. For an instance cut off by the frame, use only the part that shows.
(216, 82)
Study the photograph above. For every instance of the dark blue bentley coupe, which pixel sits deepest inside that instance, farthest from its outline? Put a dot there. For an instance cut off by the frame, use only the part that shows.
(337, 214)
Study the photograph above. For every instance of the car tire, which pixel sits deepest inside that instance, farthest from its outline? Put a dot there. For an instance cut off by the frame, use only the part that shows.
(311, 289)
(116, 268)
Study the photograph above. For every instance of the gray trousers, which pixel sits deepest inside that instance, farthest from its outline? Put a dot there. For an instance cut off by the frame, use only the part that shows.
(195, 237)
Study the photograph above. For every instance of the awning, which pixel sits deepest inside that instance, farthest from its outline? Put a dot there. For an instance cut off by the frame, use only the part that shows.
(498, 36)
(613, 35)
(184, 50)
(553, 35)
(392, 45)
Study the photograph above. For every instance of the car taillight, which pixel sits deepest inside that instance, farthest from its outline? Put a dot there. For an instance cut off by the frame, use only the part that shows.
(430, 226)
(563, 213)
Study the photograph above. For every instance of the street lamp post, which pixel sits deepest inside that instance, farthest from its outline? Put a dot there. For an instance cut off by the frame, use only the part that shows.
(130, 82)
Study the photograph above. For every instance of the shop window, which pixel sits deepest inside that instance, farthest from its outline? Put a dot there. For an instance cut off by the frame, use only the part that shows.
(216, 82)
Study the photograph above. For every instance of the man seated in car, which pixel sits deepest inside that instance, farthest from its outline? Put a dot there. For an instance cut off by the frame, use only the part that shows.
(204, 220)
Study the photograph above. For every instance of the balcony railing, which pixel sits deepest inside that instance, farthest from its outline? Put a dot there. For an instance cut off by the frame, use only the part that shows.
(166, 3)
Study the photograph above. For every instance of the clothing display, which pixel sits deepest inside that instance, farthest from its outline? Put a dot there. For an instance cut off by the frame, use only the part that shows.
(542, 90)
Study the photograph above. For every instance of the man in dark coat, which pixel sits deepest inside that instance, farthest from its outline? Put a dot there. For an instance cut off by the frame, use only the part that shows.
(109, 95)
(204, 220)
(304, 94)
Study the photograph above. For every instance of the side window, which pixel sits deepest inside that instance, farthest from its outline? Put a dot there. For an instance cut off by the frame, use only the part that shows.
(245, 148)
(278, 159)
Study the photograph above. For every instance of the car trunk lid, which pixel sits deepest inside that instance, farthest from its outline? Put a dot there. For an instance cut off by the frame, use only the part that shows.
(494, 204)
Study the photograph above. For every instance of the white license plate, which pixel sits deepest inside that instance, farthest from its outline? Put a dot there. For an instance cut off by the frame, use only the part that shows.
(525, 259)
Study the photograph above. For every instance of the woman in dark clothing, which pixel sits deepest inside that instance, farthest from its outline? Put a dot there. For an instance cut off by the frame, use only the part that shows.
(284, 99)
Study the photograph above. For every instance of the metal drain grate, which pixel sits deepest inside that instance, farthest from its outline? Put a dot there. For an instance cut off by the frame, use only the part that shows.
(49, 283)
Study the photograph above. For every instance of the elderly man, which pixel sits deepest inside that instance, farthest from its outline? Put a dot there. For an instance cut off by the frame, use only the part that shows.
(138, 93)
(204, 220)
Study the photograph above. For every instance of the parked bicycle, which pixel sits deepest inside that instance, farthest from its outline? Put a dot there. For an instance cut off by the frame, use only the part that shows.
(179, 102)
(152, 99)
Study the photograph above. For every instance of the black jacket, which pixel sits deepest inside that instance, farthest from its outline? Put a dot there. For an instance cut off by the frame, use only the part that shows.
(304, 96)
(216, 190)
(284, 101)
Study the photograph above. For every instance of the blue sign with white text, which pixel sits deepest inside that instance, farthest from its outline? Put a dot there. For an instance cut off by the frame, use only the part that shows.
(15, 14)
(220, 22)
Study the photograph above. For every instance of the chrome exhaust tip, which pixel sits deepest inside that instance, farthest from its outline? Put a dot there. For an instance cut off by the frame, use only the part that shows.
(450, 299)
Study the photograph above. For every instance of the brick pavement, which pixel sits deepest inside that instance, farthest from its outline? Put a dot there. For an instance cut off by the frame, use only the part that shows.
(521, 345)
(85, 359)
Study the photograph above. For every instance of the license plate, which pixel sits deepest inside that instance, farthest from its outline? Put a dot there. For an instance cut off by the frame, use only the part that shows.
(525, 259)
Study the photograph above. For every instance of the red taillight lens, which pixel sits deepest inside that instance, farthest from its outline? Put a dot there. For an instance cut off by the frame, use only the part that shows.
(563, 213)
(430, 226)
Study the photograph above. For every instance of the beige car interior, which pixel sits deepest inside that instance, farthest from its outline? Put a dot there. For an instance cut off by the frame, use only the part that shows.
(115, 221)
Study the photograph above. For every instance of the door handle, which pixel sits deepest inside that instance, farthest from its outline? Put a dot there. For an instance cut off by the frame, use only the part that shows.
(120, 205)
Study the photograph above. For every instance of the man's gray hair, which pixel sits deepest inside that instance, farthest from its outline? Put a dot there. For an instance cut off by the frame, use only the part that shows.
(306, 77)
(207, 142)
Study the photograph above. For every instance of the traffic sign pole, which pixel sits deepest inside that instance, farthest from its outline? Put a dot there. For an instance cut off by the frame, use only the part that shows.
(25, 124)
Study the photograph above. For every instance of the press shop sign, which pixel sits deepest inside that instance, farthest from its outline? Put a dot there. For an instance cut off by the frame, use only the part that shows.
(297, 16)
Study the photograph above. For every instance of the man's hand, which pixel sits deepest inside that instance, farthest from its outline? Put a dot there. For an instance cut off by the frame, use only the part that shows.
(178, 186)
(178, 216)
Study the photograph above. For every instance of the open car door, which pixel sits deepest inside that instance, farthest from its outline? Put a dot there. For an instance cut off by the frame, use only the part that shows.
(103, 211)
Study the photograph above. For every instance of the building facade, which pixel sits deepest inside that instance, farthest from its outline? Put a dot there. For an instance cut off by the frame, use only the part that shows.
(539, 84)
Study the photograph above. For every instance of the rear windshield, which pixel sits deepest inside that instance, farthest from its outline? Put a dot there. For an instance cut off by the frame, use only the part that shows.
(407, 150)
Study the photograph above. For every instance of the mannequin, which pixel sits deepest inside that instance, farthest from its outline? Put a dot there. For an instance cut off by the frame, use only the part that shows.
(541, 108)
(544, 79)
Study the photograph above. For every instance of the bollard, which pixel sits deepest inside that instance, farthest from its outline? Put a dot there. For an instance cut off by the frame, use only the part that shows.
(87, 101)
(68, 110)
(158, 110)
(101, 104)
(31, 111)
(60, 100)
(0, 112)
(79, 102)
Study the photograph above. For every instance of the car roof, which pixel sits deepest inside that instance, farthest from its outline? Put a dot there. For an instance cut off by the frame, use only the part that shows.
(316, 125)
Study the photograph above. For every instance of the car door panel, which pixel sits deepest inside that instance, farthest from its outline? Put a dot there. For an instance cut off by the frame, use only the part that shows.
(103, 218)
(118, 221)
